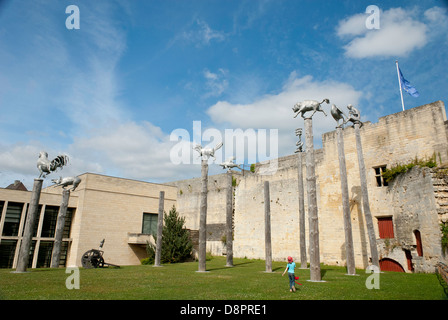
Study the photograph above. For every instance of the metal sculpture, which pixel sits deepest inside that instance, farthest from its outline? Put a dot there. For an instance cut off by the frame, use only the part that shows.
(94, 258)
(64, 182)
(309, 105)
(229, 164)
(354, 116)
(46, 166)
(206, 153)
(349, 251)
(299, 143)
(338, 115)
(299, 151)
(302, 108)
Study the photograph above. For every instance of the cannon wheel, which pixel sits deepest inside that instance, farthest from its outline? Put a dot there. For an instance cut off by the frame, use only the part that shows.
(92, 259)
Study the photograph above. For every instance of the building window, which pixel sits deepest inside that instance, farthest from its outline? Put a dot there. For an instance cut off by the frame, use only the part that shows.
(150, 223)
(12, 219)
(7, 250)
(68, 222)
(380, 181)
(44, 254)
(50, 219)
(386, 227)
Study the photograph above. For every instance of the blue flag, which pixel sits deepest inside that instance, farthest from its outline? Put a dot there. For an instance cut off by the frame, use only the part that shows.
(406, 86)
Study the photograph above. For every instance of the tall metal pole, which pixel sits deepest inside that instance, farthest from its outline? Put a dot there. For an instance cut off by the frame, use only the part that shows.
(399, 83)
(303, 259)
(312, 203)
(267, 227)
(56, 254)
(229, 222)
(159, 229)
(299, 151)
(365, 198)
(24, 252)
(350, 255)
(203, 218)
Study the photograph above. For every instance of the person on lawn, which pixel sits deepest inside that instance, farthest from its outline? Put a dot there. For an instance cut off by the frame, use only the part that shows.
(290, 268)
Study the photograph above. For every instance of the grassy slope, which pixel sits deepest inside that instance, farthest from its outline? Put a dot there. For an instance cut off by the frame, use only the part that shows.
(246, 281)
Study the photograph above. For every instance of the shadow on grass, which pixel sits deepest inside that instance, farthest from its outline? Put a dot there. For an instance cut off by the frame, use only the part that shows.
(235, 265)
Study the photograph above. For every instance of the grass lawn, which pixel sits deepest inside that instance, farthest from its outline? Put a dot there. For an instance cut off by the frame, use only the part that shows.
(245, 281)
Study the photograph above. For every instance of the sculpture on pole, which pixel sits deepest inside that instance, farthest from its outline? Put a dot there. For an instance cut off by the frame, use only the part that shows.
(355, 118)
(302, 108)
(205, 154)
(45, 167)
(350, 255)
(299, 151)
(229, 164)
(309, 105)
(68, 181)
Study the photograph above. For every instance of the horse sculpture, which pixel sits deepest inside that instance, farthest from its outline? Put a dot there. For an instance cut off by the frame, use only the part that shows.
(206, 153)
(46, 166)
(309, 105)
(64, 182)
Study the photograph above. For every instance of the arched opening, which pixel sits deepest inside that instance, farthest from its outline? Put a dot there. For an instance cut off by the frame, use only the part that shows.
(418, 240)
(409, 260)
(387, 264)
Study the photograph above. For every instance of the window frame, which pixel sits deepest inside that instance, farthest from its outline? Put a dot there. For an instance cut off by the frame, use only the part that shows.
(152, 222)
(380, 181)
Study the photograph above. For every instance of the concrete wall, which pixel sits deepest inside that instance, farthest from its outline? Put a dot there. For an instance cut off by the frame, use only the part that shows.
(112, 209)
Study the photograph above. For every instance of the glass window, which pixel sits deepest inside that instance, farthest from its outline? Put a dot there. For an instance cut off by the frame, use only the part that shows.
(2, 203)
(150, 223)
(380, 181)
(63, 256)
(44, 256)
(31, 254)
(68, 222)
(49, 223)
(12, 219)
(7, 251)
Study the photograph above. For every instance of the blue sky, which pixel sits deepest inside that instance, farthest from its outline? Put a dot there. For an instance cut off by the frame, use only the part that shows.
(110, 93)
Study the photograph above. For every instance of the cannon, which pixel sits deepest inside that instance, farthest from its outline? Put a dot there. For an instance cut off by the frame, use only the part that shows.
(94, 258)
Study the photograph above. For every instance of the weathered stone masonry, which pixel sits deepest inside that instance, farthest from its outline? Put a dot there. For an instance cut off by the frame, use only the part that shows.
(414, 201)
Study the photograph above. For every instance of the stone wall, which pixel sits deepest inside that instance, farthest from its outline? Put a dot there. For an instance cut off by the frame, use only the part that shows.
(397, 138)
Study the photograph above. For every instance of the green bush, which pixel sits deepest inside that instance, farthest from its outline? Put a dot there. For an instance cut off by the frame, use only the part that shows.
(390, 174)
(444, 229)
(176, 243)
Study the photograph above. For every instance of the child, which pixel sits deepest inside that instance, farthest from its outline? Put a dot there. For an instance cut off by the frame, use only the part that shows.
(290, 268)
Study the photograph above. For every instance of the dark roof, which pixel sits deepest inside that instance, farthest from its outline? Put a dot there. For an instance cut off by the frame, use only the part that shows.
(17, 185)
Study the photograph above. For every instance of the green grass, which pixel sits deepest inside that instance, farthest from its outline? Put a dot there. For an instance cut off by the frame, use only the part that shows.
(245, 281)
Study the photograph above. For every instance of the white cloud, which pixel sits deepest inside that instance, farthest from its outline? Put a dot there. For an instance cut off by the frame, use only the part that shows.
(400, 33)
(274, 111)
(216, 83)
(202, 34)
(132, 150)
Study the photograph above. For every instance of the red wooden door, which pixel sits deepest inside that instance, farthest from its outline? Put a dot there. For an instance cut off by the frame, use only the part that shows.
(386, 227)
(387, 264)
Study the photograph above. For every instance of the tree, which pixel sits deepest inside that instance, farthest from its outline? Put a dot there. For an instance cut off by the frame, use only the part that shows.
(176, 242)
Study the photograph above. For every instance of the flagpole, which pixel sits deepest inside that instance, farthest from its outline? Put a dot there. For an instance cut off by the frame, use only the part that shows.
(399, 82)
